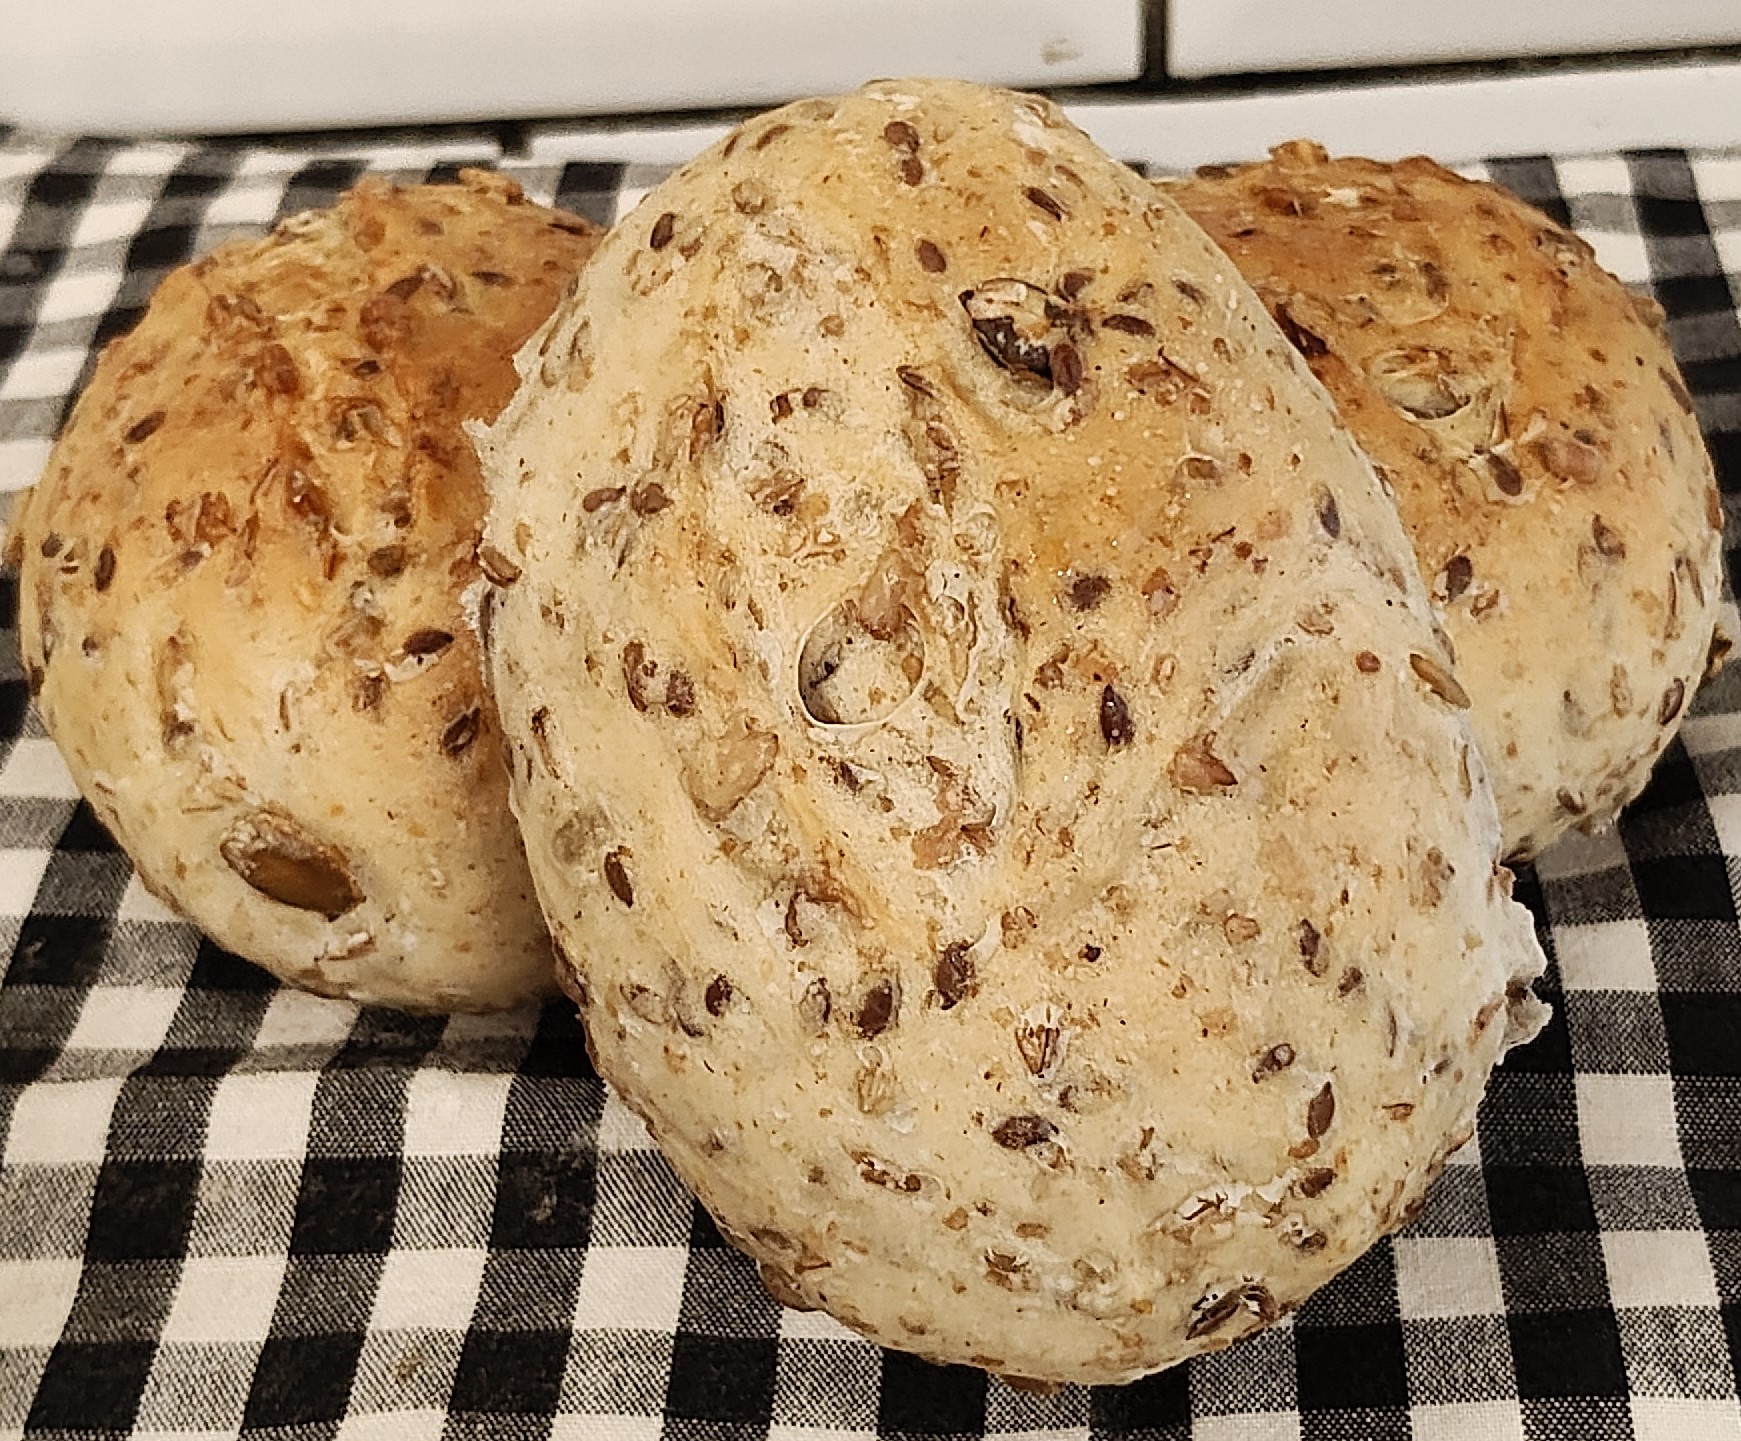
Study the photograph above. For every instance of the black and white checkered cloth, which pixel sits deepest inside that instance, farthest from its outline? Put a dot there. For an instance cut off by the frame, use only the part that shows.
(228, 1208)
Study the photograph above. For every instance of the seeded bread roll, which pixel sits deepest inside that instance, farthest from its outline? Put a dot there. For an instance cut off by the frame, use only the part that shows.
(1543, 449)
(983, 748)
(240, 604)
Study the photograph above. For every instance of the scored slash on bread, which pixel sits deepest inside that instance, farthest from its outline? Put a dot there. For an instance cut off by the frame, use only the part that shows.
(1542, 447)
(241, 580)
(1007, 817)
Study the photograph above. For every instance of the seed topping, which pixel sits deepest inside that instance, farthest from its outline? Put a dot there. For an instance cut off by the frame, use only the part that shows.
(617, 876)
(1458, 574)
(143, 428)
(1197, 770)
(877, 1011)
(461, 731)
(1017, 1133)
(1115, 723)
(1439, 680)
(275, 856)
(954, 975)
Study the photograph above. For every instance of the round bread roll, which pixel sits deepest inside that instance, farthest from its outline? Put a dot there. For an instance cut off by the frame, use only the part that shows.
(240, 600)
(1545, 456)
(982, 746)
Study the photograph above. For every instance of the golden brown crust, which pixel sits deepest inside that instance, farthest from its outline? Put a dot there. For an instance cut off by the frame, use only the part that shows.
(1541, 443)
(982, 745)
(241, 592)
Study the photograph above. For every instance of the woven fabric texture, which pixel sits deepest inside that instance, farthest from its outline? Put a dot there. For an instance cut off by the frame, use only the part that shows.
(231, 1209)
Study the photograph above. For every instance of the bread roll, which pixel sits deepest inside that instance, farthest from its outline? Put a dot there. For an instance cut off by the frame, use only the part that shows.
(1544, 452)
(240, 604)
(982, 746)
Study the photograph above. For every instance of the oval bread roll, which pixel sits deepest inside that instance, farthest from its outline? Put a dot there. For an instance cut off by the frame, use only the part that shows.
(240, 603)
(982, 746)
(1544, 453)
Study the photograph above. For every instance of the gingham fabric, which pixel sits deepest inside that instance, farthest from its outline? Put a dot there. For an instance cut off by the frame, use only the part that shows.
(228, 1208)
